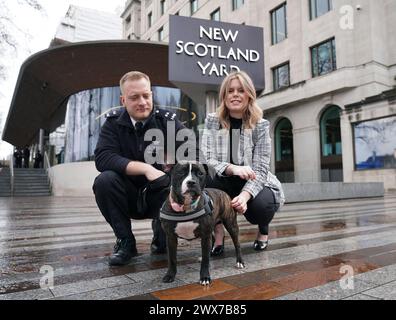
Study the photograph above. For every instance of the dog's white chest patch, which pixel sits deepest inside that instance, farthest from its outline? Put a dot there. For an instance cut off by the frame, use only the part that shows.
(185, 230)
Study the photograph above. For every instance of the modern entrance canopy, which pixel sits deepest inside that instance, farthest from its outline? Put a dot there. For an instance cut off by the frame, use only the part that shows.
(47, 80)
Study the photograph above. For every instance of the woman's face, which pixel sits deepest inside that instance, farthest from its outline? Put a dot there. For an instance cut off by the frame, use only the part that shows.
(237, 99)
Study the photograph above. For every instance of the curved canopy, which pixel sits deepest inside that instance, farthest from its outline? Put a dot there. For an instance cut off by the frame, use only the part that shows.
(48, 78)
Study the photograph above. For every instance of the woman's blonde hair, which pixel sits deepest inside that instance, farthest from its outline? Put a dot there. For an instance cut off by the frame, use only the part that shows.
(252, 113)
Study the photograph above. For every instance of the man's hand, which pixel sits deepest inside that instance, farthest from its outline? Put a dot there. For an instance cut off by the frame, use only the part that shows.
(136, 168)
(244, 172)
(239, 203)
(153, 174)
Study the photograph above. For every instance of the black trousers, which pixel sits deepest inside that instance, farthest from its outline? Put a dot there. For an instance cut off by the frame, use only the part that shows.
(260, 210)
(117, 197)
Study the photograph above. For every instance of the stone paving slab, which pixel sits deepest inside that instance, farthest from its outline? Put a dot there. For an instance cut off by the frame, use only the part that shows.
(304, 239)
(386, 291)
(330, 291)
(361, 296)
(380, 276)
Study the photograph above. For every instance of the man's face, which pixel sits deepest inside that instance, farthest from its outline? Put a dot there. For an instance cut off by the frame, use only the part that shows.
(137, 98)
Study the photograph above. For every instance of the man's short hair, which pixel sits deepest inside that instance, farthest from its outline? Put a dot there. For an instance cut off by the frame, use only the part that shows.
(131, 76)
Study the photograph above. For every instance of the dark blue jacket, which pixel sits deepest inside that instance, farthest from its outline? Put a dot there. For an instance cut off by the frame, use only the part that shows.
(119, 143)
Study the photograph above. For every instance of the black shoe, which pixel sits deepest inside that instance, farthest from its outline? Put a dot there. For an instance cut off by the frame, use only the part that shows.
(155, 249)
(260, 245)
(217, 250)
(124, 251)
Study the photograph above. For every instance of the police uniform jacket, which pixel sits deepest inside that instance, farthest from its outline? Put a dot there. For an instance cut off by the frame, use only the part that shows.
(119, 142)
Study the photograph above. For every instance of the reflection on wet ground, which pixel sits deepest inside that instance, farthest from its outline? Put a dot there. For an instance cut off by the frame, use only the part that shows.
(311, 246)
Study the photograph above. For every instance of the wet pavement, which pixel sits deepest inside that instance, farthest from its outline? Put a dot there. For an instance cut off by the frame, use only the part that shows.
(57, 248)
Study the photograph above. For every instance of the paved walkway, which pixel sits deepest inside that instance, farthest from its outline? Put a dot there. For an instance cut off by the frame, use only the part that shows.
(314, 248)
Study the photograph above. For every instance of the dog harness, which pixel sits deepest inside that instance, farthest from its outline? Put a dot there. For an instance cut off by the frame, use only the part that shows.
(186, 217)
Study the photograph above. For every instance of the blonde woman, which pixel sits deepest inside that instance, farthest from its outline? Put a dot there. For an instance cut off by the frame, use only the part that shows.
(237, 144)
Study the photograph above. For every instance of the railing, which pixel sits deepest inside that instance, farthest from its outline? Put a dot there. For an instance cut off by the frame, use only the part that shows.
(11, 162)
(47, 164)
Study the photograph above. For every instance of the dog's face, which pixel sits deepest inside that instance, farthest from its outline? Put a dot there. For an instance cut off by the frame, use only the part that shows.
(188, 180)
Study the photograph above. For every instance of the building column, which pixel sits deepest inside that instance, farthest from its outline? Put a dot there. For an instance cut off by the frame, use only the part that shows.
(347, 147)
(307, 154)
(41, 141)
(212, 101)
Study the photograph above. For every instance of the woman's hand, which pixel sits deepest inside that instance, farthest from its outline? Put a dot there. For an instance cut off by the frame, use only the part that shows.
(244, 172)
(239, 203)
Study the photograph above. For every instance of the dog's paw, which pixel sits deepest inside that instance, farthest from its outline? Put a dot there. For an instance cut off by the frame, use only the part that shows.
(206, 281)
(240, 265)
(168, 278)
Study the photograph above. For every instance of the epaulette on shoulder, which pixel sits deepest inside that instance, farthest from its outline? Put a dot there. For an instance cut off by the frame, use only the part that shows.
(114, 113)
(168, 115)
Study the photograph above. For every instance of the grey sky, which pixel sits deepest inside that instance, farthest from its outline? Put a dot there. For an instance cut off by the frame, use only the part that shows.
(41, 27)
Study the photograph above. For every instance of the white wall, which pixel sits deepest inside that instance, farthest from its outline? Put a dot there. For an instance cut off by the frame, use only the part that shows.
(73, 179)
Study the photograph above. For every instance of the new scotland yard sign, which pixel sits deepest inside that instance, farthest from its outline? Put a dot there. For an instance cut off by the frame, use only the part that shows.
(205, 51)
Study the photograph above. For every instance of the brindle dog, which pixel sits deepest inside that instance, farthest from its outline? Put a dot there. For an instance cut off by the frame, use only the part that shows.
(187, 214)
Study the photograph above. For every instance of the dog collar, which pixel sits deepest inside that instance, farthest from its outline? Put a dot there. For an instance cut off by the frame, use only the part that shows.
(186, 217)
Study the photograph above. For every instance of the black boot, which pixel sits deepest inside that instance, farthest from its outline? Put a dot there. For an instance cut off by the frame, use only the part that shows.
(124, 251)
(158, 244)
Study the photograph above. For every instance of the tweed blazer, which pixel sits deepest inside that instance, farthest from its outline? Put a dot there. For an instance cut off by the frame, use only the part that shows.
(254, 151)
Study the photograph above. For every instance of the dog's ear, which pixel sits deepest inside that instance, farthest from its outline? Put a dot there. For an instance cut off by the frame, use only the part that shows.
(210, 171)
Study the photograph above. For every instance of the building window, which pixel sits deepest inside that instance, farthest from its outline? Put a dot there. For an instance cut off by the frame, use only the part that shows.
(319, 7)
(284, 155)
(236, 4)
(162, 7)
(330, 132)
(281, 76)
(128, 20)
(161, 34)
(279, 24)
(193, 6)
(215, 15)
(375, 144)
(324, 58)
(150, 19)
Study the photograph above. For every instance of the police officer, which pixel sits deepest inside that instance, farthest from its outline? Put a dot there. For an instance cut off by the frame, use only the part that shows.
(119, 156)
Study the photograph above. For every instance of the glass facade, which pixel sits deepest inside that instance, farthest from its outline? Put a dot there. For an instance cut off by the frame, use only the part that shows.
(279, 24)
(86, 113)
(84, 118)
(324, 58)
(375, 144)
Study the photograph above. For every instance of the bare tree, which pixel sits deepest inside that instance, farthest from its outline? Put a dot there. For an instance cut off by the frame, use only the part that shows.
(10, 32)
